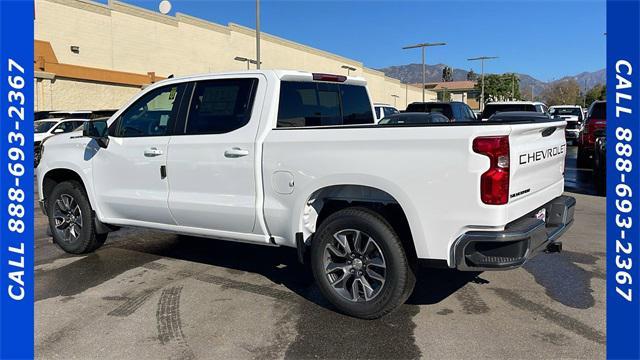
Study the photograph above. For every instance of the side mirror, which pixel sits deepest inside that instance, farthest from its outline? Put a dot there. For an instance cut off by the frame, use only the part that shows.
(58, 131)
(97, 130)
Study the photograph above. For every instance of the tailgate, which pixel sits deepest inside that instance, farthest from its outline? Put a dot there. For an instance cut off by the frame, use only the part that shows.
(538, 153)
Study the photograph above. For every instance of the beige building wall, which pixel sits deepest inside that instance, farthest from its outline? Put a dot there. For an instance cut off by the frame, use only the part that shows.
(72, 94)
(121, 37)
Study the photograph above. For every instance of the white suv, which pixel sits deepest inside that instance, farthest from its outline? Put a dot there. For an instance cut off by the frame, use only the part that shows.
(383, 110)
(572, 114)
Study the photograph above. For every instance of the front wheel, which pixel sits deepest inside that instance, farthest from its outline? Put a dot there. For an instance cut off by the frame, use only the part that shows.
(360, 265)
(71, 219)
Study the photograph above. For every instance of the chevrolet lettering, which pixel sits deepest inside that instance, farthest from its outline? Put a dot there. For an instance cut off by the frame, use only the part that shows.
(542, 154)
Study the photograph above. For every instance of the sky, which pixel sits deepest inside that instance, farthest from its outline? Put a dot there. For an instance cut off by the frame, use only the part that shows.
(545, 39)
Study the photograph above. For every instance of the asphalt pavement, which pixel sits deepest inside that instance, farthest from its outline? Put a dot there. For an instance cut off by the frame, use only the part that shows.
(151, 295)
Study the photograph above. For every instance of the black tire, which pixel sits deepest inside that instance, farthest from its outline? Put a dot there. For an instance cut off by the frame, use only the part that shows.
(399, 275)
(87, 240)
(583, 159)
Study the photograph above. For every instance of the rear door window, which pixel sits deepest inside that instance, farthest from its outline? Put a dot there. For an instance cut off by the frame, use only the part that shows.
(356, 107)
(323, 104)
(220, 106)
(457, 113)
(470, 115)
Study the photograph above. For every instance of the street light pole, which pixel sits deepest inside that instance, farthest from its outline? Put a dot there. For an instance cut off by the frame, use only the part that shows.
(247, 60)
(532, 92)
(482, 59)
(258, 62)
(406, 95)
(424, 75)
(349, 69)
(424, 66)
(584, 98)
(395, 97)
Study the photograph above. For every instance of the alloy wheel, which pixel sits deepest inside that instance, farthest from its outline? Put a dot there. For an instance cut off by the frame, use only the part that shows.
(68, 218)
(354, 265)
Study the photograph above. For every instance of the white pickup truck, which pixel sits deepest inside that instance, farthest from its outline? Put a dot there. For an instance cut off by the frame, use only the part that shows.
(288, 158)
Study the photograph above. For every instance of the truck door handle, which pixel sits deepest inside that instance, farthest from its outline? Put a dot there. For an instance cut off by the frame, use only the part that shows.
(235, 152)
(151, 152)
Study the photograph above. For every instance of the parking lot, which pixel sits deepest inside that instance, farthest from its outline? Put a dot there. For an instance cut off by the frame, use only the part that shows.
(151, 295)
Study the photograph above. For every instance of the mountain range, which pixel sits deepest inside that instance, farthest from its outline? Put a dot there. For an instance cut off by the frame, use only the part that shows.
(412, 73)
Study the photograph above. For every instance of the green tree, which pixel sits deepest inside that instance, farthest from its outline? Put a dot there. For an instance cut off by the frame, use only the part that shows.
(499, 87)
(562, 93)
(472, 76)
(598, 92)
(447, 74)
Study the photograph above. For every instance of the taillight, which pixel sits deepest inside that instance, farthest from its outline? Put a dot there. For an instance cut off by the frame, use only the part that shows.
(329, 77)
(592, 126)
(494, 183)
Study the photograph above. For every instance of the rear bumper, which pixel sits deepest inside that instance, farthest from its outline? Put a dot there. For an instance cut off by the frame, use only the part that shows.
(521, 239)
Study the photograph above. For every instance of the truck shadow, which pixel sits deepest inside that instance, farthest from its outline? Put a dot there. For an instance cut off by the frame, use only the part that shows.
(578, 180)
(279, 265)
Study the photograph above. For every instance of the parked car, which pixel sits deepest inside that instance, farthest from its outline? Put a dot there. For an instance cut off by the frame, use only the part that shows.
(519, 117)
(95, 114)
(76, 114)
(40, 115)
(45, 128)
(384, 110)
(455, 111)
(294, 159)
(504, 106)
(600, 162)
(596, 120)
(572, 114)
(414, 119)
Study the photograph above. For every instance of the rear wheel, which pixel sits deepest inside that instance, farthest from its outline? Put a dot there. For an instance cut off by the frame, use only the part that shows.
(360, 265)
(71, 219)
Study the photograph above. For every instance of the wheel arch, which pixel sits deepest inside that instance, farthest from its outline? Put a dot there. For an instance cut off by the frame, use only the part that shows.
(329, 198)
(55, 176)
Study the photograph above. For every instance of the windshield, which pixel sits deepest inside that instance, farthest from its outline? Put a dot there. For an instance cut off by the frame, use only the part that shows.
(441, 108)
(43, 126)
(572, 111)
(496, 108)
(599, 111)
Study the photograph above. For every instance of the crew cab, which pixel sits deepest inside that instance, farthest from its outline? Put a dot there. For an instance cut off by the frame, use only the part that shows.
(294, 159)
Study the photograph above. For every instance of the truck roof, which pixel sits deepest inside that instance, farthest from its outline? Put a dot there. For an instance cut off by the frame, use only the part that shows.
(516, 102)
(564, 106)
(284, 75)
